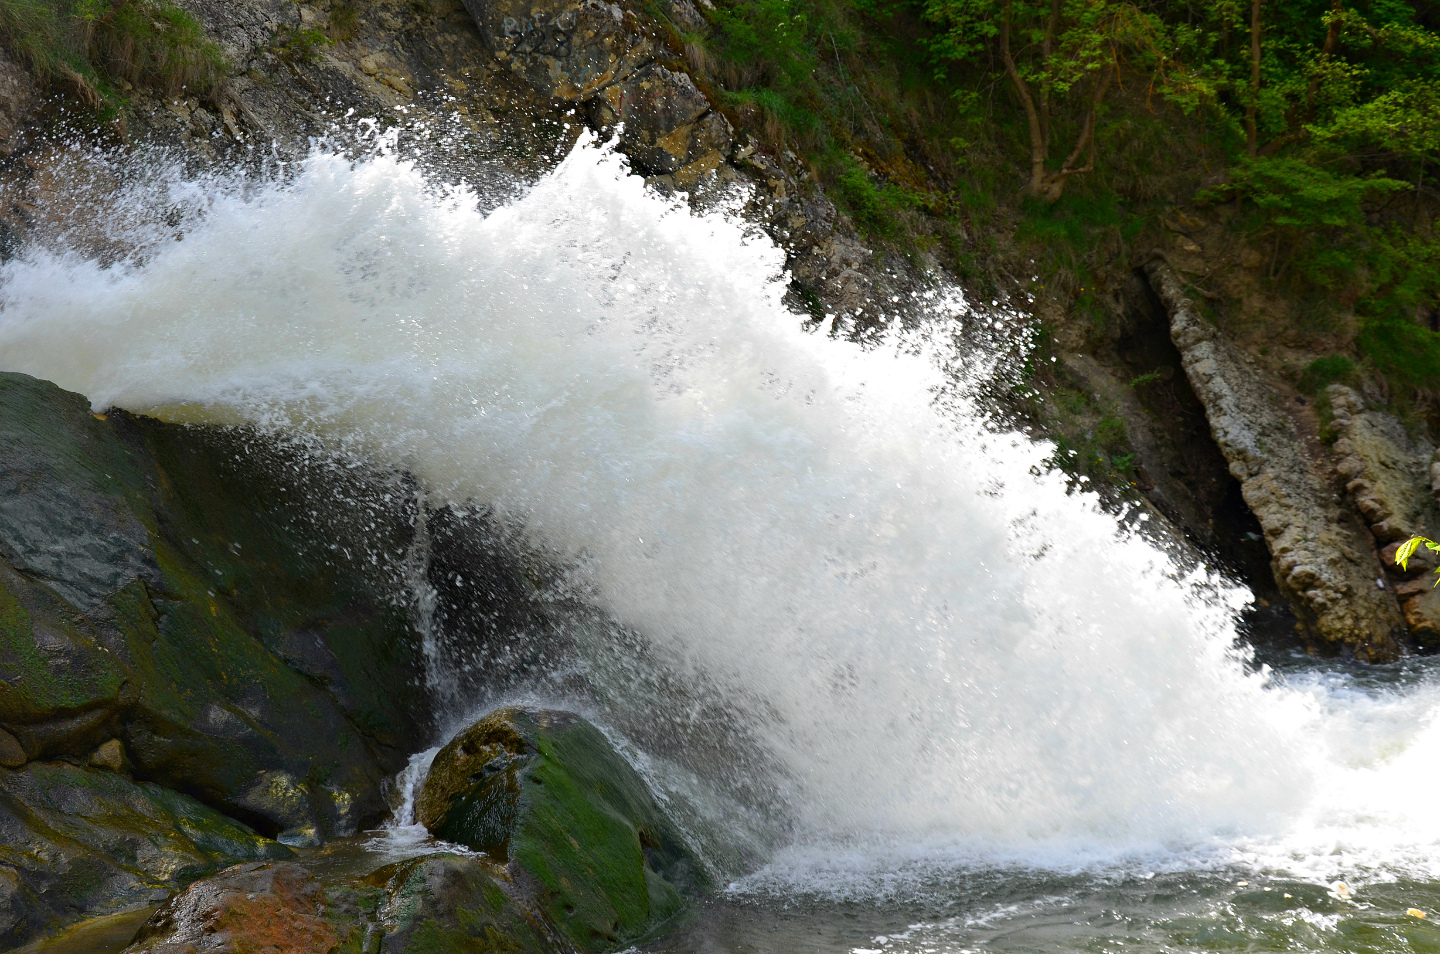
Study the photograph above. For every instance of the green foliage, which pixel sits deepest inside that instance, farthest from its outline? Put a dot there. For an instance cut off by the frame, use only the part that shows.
(1323, 372)
(1296, 194)
(1408, 548)
(94, 44)
(1403, 351)
(874, 208)
(300, 46)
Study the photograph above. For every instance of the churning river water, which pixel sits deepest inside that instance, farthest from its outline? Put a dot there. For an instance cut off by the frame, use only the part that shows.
(947, 703)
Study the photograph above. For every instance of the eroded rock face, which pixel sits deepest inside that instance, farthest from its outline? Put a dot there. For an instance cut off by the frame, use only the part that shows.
(1323, 559)
(77, 842)
(660, 109)
(563, 48)
(546, 794)
(19, 95)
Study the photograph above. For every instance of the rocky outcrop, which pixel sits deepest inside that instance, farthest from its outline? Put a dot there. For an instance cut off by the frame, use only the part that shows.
(1387, 471)
(427, 905)
(544, 793)
(1323, 558)
(80, 841)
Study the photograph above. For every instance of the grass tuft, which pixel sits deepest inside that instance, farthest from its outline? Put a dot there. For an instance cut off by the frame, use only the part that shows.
(95, 46)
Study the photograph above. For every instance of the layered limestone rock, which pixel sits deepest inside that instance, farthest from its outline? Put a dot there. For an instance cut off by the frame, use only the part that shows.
(545, 794)
(1389, 475)
(1323, 557)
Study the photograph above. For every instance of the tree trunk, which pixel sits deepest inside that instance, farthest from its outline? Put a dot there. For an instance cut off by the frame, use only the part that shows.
(1052, 184)
(1032, 115)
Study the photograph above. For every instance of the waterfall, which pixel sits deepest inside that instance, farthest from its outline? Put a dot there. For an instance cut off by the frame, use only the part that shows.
(931, 649)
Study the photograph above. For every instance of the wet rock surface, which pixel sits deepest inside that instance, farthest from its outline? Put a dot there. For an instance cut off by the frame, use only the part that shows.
(1323, 558)
(209, 649)
(253, 908)
(79, 841)
(448, 902)
(545, 793)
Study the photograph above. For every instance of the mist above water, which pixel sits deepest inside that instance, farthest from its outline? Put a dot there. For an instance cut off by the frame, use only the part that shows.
(936, 653)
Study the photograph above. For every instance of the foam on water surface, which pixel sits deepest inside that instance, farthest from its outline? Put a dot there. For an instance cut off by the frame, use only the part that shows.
(941, 656)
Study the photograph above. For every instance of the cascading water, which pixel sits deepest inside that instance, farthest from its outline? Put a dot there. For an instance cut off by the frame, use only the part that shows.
(938, 657)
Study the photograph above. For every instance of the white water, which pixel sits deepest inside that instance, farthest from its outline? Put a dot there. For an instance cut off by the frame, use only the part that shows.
(944, 658)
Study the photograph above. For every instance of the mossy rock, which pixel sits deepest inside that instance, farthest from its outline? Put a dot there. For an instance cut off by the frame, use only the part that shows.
(77, 842)
(213, 601)
(546, 793)
(451, 904)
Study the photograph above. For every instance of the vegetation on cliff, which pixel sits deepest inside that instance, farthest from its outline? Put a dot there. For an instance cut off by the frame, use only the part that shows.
(100, 48)
(1066, 132)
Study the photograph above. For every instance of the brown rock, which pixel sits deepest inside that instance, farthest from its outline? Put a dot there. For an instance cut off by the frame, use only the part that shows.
(18, 98)
(566, 49)
(659, 108)
(1411, 588)
(12, 755)
(110, 756)
(255, 907)
(1422, 615)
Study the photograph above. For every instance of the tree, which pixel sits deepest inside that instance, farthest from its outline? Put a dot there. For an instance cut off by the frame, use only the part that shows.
(1058, 56)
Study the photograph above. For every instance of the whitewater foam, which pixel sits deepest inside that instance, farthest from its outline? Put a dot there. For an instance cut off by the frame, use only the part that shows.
(939, 653)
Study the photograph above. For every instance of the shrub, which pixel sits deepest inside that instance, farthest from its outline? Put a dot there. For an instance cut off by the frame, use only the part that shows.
(1323, 372)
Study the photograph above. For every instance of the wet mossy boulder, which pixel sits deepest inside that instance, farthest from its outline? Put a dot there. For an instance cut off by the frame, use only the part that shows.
(80, 841)
(216, 602)
(452, 903)
(545, 793)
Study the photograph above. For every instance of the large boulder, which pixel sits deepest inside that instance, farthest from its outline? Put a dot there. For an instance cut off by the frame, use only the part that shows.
(81, 841)
(546, 794)
(229, 612)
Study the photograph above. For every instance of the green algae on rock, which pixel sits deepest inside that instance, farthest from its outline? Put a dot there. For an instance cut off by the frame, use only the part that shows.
(444, 903)
(546, 793)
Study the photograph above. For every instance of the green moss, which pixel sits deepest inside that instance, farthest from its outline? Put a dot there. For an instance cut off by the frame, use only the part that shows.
(1403, 351)
(548, 792)
(93, 46)
(72, 674)
(444, 903)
